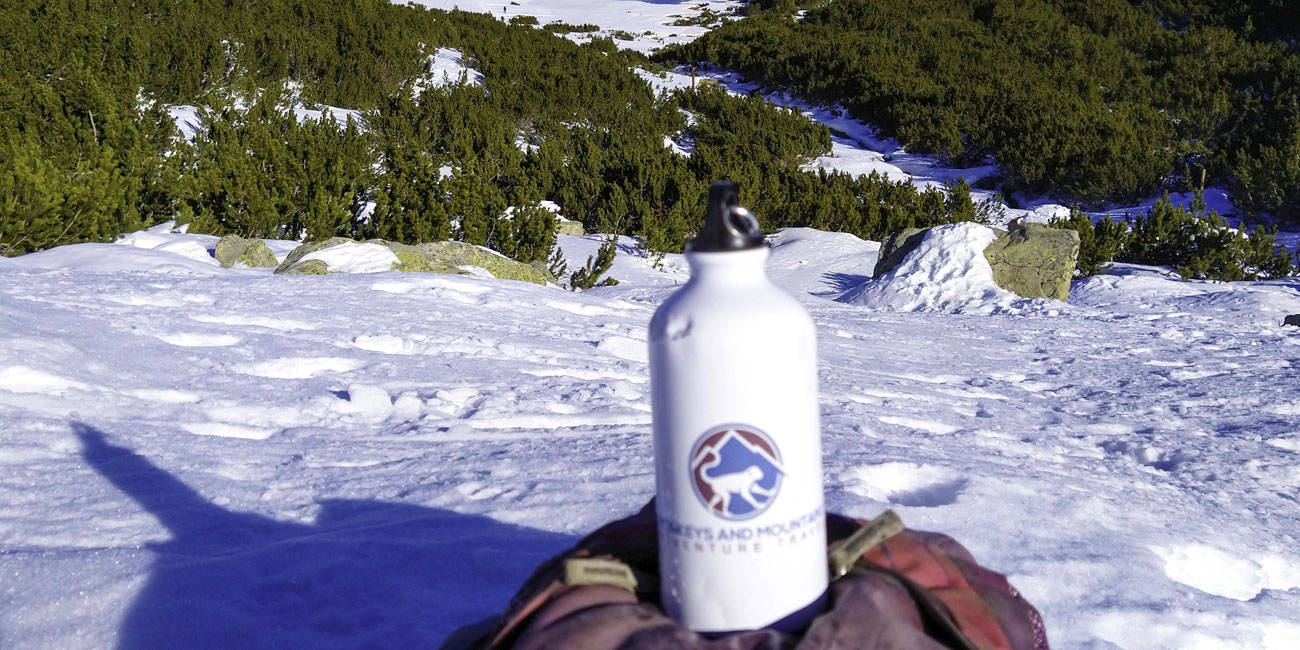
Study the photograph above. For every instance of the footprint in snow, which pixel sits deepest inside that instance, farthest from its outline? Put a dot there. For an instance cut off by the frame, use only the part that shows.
(449, 283)
(577, 308)
(624, 348)
(1227, 574)
(445, 289)
(147, 300)
(1150, 455)
(907, 484)
(477, 491)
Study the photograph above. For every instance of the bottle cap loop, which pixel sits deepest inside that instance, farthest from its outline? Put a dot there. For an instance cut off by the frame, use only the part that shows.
(728, 226)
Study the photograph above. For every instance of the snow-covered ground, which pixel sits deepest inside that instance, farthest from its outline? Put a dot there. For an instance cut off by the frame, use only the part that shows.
(200, 457)
(649, 23)
(214, 458)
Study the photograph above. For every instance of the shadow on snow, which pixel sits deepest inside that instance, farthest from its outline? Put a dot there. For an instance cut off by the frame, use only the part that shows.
(841, 282)
(367, 574)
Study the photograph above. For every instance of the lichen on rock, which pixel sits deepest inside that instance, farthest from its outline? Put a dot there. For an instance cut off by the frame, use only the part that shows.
(1034, 261)
(309, 267)
(431, 257)
(253, 253)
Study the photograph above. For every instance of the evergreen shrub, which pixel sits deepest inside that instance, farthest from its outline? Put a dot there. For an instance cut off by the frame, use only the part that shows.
(1196, 242)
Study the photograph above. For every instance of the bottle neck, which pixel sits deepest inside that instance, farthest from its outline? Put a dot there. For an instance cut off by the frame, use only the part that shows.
(730, 267)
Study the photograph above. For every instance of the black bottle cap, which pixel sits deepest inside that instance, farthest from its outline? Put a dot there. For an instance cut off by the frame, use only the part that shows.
(727, 225)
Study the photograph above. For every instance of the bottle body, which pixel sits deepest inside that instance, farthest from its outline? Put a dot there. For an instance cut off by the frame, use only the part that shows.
(733, 369)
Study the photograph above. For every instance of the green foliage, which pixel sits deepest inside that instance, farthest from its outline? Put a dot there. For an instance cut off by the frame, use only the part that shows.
(566, 28)
(1091, 101)
(89, 153)
(261, 172)
(708, 18)
(77, 162)
(957, 201)
(410, 200)
(527, 235)
(1196, 242)
(1100, 242)
(590, 274)
(555, 263)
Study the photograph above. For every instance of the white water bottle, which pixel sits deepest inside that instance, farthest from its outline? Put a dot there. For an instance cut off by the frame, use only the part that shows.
(737, 438)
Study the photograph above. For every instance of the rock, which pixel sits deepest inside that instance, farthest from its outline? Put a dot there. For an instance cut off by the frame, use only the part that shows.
(568, 227)
(1033, 260)
(309, 267)
(1293, 319)
(253, 253)
(411, 260)
(895, 248)
(451, 256)
(434, 257)
(310, 247)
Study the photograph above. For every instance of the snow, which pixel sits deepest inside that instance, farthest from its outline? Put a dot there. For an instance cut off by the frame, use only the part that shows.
(113, 258)
(205, 457)
(188, 120)
(339, 115)
(447, 67)
(820, 263)
(647, 21)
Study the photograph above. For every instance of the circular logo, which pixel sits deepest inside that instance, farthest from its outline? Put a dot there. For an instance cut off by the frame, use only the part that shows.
(736, 471)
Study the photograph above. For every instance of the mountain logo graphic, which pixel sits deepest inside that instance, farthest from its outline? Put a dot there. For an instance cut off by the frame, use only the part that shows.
(736, 471)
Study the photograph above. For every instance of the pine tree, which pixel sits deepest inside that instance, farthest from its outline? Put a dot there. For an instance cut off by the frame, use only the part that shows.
(590, 275)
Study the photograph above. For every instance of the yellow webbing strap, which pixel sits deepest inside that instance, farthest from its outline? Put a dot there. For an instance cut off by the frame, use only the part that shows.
(599, 571)
(845, 553)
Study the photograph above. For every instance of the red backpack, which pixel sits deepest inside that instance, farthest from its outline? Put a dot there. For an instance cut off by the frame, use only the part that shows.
(892, 588)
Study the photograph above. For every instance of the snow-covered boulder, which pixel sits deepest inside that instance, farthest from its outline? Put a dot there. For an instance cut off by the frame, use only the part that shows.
(1029, 259)
(253, 253)
(296, 264)
(947, 271)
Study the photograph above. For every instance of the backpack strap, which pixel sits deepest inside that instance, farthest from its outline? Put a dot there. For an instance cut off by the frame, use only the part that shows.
(608, 571)
(846, 553)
